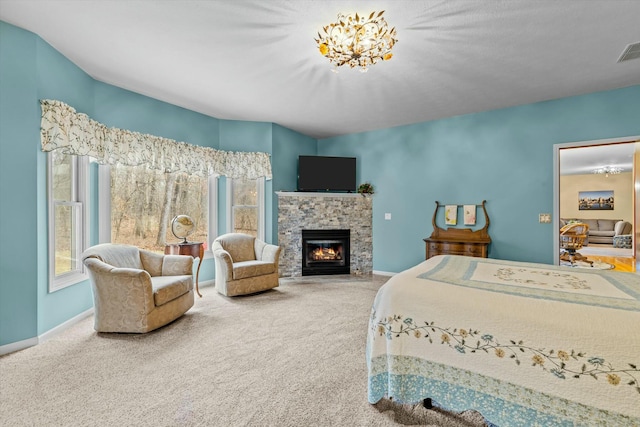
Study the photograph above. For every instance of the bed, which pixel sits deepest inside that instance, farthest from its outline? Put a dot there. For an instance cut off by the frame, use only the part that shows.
(524, 344)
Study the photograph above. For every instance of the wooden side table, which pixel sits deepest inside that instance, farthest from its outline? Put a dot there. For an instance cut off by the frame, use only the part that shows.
(195, 249)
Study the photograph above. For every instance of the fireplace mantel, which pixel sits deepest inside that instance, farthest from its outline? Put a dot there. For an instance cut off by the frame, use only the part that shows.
(324, 211)
(315, 194)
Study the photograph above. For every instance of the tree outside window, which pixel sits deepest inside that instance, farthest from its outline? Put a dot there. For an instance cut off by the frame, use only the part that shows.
(144, 201)
(245, 202)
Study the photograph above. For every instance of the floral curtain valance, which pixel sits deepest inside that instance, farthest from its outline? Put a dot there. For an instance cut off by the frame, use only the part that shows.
(75, 133)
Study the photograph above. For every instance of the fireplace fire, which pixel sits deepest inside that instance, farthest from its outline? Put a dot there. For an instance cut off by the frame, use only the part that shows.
(325, 252)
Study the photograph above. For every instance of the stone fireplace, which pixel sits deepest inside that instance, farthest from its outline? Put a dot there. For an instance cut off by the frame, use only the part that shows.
(319, 215)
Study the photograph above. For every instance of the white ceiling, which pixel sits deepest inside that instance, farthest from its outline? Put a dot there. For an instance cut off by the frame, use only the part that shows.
(257, 59)
(584, 160)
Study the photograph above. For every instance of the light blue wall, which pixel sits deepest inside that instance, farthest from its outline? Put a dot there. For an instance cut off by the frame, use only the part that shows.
(287, 146)
(19, 134)
(245, 136)
(503, 156)
(124, 109)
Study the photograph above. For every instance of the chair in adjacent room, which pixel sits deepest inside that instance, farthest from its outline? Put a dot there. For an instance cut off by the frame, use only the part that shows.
(135, 290)
(572, 237)
(244, 264)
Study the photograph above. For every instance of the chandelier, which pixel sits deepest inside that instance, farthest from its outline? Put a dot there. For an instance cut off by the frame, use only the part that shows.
(357, 41)
(608, 170)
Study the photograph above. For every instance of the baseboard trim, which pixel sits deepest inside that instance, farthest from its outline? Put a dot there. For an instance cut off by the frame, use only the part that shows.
(63, 326)
(384, 273)
(30, 342)
(206, 283)
(17, 346)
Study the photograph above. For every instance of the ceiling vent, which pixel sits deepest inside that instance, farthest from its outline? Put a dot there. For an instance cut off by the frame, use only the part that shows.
(632, 51)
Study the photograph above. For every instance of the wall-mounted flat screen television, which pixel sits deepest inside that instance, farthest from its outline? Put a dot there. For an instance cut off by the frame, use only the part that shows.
(320, 173)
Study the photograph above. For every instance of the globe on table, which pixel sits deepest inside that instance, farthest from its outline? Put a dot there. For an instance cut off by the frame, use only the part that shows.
(182, 226)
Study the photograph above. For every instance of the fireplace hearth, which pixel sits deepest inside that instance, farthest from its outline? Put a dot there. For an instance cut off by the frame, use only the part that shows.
(325, 252)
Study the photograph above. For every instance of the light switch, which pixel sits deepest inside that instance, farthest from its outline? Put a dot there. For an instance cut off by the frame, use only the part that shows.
(387, 216)
(544, 218)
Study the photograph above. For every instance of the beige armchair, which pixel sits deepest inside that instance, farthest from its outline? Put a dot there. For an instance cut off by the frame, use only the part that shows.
(135, 290)
(244, 264)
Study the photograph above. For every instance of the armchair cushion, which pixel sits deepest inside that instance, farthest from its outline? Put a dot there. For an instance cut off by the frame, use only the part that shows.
(120, 256)
(239, 246)
(176, 265)
(244, 269)
(151, 262)
(168, 288)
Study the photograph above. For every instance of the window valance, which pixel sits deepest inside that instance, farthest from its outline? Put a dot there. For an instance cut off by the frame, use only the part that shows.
(76, 133)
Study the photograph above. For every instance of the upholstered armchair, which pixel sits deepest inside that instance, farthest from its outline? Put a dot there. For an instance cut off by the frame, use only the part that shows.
(244, 264)
(135, 290)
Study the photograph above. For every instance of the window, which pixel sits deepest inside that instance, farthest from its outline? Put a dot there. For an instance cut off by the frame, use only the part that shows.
(246, 202)
(68, 213)
(139, 204)
(144, 201)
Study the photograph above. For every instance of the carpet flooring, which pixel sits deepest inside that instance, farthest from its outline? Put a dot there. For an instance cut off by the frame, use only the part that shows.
(291, 356)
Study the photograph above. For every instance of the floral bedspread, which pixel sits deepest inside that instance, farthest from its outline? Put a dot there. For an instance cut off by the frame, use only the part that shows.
(524, 344)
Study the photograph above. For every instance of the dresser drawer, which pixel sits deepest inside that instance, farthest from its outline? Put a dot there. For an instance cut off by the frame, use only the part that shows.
(434, 248)
(448, 247)
(475, 250)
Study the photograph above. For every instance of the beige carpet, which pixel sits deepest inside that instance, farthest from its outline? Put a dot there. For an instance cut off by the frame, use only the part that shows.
(292, 356)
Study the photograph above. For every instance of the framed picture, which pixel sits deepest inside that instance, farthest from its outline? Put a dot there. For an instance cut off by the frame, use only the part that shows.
(595, 200)
(469, 214)
(451, 214)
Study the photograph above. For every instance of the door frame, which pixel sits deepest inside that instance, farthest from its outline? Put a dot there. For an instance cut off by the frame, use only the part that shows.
(556, 183)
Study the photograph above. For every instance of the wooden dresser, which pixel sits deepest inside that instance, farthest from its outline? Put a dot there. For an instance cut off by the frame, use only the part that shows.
(458, 241)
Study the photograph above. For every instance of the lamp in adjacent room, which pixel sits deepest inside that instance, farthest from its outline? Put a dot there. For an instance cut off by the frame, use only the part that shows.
(357, 41)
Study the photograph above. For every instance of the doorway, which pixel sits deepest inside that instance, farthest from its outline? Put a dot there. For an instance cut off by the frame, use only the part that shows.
(597, 182)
